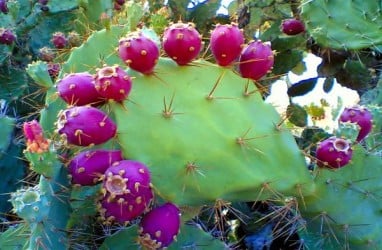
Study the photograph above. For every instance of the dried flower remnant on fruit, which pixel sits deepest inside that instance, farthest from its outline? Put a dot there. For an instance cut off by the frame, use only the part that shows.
(35, 140)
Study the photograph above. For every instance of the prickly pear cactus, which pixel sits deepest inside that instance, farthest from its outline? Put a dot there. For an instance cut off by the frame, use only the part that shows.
(345, 25)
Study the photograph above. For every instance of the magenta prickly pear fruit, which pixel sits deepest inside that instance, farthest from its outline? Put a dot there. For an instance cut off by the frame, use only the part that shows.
(334, 153)
(160, 226)
(53, 69)
(87, 167)
(360, 116)
(113, 83)
(78, 89)
(3, 6)
(256, 60)
(226, 43)
(292, 26)
(7, 36)
(182, 42)
(126, 177)
(138, 52)
(59, 40)
(84, 126)
(126, 207)
(126, 190)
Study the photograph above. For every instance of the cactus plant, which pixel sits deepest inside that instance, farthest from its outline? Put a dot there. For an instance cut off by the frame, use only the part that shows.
(195, 135)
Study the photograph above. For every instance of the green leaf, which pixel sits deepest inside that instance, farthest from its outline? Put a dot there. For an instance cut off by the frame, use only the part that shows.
(302, 87)
(297, 115)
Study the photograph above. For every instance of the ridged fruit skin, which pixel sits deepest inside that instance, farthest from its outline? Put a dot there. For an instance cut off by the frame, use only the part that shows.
(334, 152)
(126, 192)
(59, 40)
(292, 26)
(226, 43)
(84, 126)
(113, 83)
(256, 60)
(78, 89)
(3, 6)
(7, 36)
(360, 116)
(160, 226)
(182, 42)
(138, 52)
(87, 167)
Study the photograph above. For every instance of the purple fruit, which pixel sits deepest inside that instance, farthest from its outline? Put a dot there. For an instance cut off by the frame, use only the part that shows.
(53, 69)
(138, 52)
(59, 40)
(160, 226)
(84, 126)
(182, 42)
(87, 167)
(113, 83)
(7, 36)
(3, 6)
(226, 43)
(292, 26)
(127, 191)
(125, 177)
(333, 153)
(360, 116)
(78, 89)
(256, 60)
(43, 2)
(126, 207)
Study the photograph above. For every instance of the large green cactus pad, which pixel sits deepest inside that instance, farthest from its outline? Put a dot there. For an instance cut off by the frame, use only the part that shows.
(346, 209)
(200, 149)
(343, 24)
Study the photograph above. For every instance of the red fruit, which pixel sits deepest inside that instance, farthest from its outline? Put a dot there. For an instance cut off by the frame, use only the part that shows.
(78, 89)
(360, 116)
(226, 43)
(334, 153)
(139, 52)
(7, 36)
(160, 226)
(84, 126)
(87, 167)
(127, 191)
(112, 82)
(59, 40)
(256, 60)
(182, 42)
(292, 26)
